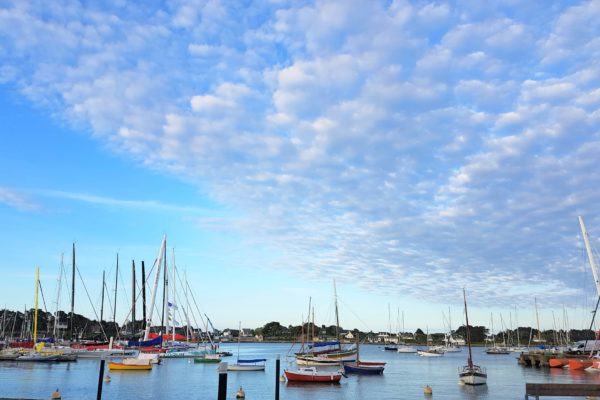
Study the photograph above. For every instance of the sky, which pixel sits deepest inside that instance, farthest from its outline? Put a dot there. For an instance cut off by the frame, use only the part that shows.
(406, 149)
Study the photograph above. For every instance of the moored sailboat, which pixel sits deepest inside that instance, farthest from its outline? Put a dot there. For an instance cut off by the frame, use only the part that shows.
(363, 367)
(310, 374)
(471, 374)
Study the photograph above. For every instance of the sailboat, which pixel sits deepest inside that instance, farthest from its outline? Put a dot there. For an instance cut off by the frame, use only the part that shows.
(333, 350)
(496, 350)
(390, 345)
(402, 346)
(363, 367)
(256, 364)
(36, 354)
(431, 351)
(583, 363)
(471, 374)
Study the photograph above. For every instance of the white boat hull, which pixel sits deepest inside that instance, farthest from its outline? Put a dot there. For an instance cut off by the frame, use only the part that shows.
(406, 349)
(238, 367)
(473, 380)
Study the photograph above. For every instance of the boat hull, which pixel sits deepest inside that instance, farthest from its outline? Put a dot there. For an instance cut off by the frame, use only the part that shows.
(473, 378)
(241, 367)
(363, 369)
(312, 376)
(114, 366)
(578, 364)
(558, 362)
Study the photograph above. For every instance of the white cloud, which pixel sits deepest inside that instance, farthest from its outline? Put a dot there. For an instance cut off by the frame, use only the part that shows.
(17, 200)
(370, 139)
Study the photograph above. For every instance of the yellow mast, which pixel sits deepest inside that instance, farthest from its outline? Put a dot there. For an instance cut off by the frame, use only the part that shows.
(35, 318)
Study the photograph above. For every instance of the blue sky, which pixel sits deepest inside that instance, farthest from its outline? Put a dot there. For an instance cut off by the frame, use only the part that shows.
(406, 148)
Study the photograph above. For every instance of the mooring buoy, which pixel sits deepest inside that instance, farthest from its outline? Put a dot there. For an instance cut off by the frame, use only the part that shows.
(240, 394)
(56, 394)
(427, 390)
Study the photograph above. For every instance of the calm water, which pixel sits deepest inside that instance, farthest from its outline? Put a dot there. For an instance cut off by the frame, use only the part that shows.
(405, 377)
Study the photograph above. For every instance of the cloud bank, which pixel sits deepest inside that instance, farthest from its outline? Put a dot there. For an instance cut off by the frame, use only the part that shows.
(411, 147)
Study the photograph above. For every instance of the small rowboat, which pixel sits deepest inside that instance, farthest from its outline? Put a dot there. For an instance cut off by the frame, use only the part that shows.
(364, 368)
(310, 374)
(580, 363)
(117, 366)
(131, 364)
(558, 362)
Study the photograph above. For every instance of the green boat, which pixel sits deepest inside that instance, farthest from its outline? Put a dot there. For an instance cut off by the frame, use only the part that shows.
(208, 358)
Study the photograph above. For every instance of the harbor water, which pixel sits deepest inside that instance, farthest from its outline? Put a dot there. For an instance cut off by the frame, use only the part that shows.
(404, 377)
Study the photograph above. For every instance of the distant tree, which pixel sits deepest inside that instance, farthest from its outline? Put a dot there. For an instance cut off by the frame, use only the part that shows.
(478, 333)
(274, 329)
(419, 332)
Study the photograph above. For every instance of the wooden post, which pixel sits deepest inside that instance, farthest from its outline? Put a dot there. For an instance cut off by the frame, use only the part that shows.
(222, 381)
(277, 367)
(100, 377)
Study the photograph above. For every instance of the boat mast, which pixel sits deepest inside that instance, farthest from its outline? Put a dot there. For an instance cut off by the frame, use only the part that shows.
(35, 317)
(115, 305)
(143, 292)
(470, 361)
(56, 318)
(133, 297)
(153, 296)
(102, 298)
(537, 317)
(165, 294)
(73, 294)
(337, 317)
(588, 249)
(174, 302)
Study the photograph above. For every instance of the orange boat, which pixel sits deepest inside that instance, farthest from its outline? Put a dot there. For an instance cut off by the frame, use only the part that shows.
(558, 362)
(580, 363)
(130, 364)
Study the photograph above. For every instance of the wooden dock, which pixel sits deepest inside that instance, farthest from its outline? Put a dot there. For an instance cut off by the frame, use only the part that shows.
(538, 390)
(540, 358)
(535, 358)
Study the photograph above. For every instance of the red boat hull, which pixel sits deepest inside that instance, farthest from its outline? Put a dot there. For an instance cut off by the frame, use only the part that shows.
(557, 362)
(577, 364)
(298, 377)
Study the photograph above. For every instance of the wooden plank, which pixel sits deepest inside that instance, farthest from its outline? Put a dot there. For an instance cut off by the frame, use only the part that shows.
(562, 389)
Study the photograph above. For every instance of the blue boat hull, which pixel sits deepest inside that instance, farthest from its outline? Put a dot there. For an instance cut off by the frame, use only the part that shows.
(363, 370)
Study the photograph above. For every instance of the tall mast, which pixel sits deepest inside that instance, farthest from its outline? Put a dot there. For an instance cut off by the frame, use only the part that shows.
(537, 317)
(470, 361)
(35, 318)
(143, 292)
(133, 297)
(337, 317)
(102, 297)
(56, 318)
(73, 294)
(174, 302)
(156, 278)
(165, 284)
(115, 305)
(588, 249)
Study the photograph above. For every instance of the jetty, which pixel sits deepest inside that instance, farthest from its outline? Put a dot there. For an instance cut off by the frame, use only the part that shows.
(538, 390)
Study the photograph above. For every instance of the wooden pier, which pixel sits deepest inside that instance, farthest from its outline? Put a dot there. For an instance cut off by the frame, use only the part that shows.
(535, 358)
(540, 358)
(538, 390)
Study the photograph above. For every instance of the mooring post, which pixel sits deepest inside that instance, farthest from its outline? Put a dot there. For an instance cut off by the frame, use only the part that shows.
(277, 366)
(222, 381)
(100, 377)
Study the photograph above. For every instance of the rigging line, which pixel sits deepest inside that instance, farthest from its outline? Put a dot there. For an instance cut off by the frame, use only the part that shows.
(187, 300)
(138, 291)
(43, 299)
(124, 289)
(90, 300)
(355, 315)
(198, 309)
